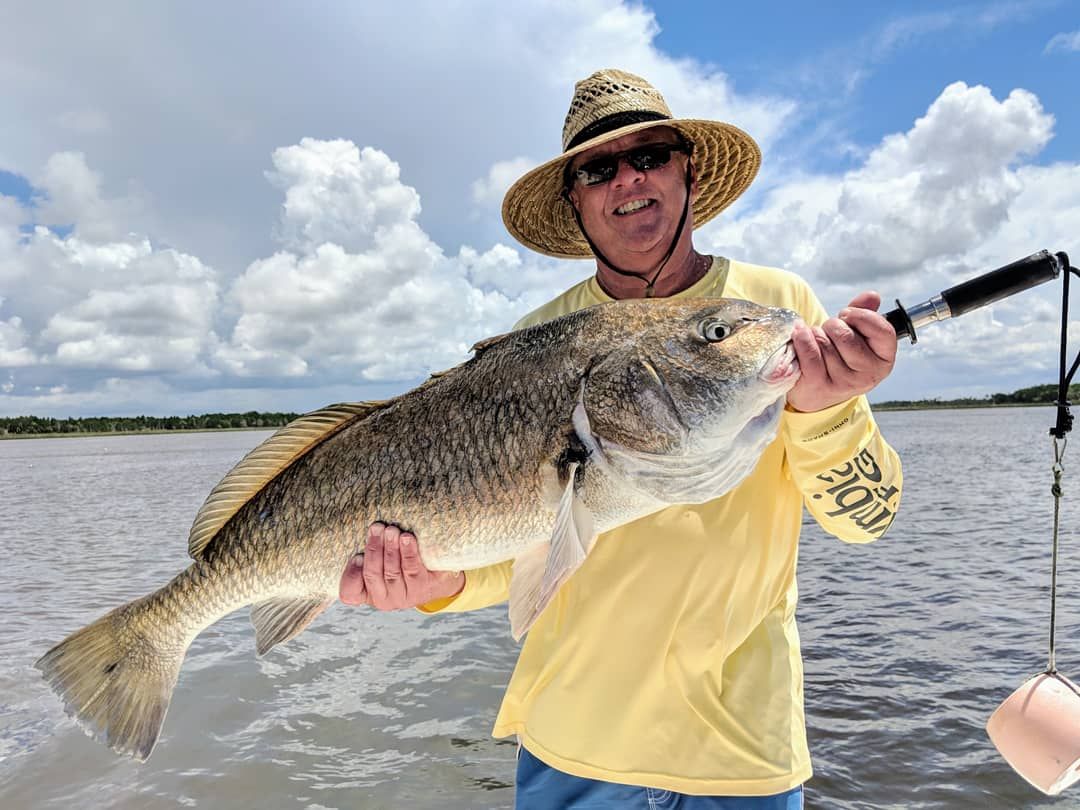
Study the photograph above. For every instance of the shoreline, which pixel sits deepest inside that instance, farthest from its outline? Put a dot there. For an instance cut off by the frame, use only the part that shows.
(90, 434)
(944, 406)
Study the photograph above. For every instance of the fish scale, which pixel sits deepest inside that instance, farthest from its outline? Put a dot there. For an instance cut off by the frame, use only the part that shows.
(526, 452)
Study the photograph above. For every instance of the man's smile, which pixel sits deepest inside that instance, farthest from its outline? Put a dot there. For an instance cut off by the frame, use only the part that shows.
(633, 206)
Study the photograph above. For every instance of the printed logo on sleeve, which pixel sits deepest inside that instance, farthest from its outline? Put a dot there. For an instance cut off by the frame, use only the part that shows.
(857, 492)
(833, 429)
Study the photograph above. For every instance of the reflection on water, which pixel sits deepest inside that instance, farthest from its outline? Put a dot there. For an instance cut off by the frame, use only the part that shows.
(909, 642)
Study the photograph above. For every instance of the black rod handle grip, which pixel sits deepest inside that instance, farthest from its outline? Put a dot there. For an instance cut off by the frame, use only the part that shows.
(987, 288)
(900, 322)
(1001, 283)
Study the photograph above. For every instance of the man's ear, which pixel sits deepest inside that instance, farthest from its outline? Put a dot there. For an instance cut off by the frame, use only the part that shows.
(693, 181)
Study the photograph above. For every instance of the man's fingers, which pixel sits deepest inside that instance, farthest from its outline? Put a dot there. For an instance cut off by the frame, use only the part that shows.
(352, 590)
(851, 352)
(879, 334)
(845, 356)
(836, 370)
(808, 350)
(391, 556)
(868, 299)
(373, 563)
(411, 565)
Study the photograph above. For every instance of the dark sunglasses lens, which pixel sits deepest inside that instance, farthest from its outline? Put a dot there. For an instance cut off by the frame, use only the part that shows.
(597, 171)
(644, 158)
(650, 157)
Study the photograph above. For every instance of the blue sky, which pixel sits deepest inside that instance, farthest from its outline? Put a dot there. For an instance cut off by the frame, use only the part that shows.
(17, 186)
(282, 209)
(903, 54)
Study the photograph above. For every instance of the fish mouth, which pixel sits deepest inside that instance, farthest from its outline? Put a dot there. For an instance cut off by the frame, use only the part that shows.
(781, 366)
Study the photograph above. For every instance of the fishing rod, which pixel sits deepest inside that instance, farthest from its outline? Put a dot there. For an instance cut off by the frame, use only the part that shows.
(978, 292)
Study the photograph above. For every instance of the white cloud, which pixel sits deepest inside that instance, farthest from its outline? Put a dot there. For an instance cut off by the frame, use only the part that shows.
(201, 114)
(362, 292)
(520, 275)
(140, 327)
(1045, 214)
(1063, 42)
(929, 195)
(12, 215)
(112, 304)
(334, 193)
(358, 293)
(13, 351)
(72, 194)
(94, 300)
(491, 189)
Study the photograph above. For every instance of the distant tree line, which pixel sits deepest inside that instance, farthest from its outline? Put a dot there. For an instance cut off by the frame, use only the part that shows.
(42, 425)
(1035, 395)
(38, 425)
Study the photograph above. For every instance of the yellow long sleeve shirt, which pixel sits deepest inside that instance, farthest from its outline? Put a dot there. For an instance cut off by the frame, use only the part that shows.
(671, 657)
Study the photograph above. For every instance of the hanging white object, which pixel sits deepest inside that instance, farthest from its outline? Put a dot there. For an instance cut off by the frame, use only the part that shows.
(1037, 731)
(1037, 728)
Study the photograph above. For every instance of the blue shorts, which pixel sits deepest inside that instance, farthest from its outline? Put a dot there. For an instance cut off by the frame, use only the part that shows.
(541, 787)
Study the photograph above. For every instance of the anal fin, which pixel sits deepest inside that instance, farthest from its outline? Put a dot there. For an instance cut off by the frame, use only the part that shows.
(279, 619)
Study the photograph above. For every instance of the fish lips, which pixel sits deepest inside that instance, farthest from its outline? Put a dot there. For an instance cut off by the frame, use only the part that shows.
(781, 367)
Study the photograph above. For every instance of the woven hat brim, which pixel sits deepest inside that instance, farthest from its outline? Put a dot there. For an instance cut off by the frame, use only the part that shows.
(535, 213)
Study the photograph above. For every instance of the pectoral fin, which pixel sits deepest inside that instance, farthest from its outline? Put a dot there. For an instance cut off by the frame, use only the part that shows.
(540, 571)
(278, 620)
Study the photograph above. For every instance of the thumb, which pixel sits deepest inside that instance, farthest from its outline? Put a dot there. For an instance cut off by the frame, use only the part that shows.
(868, 299)
(352, 591)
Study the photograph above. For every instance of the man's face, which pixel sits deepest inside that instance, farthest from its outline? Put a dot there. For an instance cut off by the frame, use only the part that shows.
(632, 218)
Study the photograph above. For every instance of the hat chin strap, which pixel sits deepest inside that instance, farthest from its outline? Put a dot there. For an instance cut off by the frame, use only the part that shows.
(671, 248)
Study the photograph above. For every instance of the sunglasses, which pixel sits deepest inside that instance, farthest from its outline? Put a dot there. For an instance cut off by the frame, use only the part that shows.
(641, 158)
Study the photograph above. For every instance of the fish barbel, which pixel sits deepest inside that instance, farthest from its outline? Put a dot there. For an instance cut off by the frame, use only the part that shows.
(545, 438)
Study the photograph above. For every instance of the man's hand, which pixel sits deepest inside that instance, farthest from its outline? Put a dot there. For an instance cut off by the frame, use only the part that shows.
(389, 575)
(844, 357)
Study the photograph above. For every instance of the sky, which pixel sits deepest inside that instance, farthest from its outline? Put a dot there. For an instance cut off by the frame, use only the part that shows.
(249, 206)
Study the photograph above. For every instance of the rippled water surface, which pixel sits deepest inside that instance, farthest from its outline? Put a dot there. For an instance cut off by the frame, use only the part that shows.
(909, 642)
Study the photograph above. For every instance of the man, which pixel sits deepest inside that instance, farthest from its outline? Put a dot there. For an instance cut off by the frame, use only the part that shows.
(666, 672)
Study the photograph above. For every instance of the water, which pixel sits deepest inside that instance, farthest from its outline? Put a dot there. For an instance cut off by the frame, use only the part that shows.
(910, 642)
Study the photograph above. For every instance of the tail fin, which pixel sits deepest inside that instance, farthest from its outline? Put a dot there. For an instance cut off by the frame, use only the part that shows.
(115, 681)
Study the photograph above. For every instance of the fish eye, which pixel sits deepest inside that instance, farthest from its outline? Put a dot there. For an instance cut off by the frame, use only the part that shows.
(714, 331)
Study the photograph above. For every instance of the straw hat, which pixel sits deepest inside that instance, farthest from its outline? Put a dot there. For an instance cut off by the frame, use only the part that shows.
(606, 106)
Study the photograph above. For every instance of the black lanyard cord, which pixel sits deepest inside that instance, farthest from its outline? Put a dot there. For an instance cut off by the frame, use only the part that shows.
(1064, 417)
(1061, 427)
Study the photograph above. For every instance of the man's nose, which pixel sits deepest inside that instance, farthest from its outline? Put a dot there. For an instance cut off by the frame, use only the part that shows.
(625, 174)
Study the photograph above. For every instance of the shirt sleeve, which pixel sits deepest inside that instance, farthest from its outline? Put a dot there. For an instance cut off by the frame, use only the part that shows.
(849, 476)
(483, 587)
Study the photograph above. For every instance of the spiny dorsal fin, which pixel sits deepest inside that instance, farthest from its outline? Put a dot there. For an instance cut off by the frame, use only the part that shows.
(262, 464)
(477, 347)
(487, 343)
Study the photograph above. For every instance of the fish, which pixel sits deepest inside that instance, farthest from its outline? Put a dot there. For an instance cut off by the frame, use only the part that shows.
(542, 440)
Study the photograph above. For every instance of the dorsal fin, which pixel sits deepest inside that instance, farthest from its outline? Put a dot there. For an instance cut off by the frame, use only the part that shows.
(476, 348)
(266, 461)
(487, 343)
